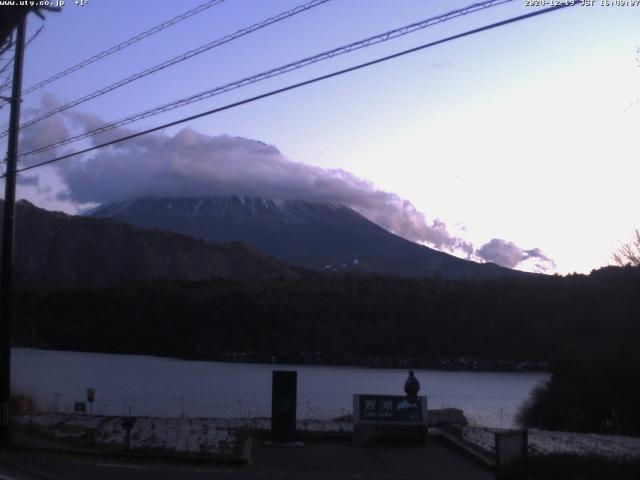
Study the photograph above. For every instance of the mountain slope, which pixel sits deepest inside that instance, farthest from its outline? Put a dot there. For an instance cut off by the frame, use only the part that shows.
(313, 235)
(53, 249)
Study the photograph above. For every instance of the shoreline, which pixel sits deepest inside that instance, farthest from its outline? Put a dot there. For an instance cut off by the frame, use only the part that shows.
(453, 363)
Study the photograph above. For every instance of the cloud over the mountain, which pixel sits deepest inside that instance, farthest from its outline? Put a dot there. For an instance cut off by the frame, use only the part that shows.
(508, 254)
(191, 163)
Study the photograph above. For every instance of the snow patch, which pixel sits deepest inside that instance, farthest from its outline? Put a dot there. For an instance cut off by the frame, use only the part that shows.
(199, 205)
(108, 209)
(544, 442)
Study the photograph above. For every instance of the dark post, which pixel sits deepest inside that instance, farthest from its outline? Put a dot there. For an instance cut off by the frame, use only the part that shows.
(512, 448)
(6, 285)
(127, 425)
(283, 407)
(91, 396)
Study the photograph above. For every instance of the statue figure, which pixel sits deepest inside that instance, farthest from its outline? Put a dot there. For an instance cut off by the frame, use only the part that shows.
(411, 386)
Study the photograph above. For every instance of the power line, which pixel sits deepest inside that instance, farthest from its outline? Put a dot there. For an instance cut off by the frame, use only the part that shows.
(180, 58)
(5, 48)
(8, 84)
(10, 62)
(302, 84)
(10, 43)
(382, 37)
(122, 45)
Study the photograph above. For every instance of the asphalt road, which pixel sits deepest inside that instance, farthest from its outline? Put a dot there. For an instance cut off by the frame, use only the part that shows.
(325, 460)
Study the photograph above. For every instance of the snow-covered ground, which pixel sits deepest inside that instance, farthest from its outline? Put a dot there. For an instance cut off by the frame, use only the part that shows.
(221, 437)
(546, 442)
(193, 435)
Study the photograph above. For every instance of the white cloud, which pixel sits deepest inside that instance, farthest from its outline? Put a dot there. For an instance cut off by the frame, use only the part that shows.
(508, 254)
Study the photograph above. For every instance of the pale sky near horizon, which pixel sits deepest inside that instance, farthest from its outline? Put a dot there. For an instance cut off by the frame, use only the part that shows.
(525, 133)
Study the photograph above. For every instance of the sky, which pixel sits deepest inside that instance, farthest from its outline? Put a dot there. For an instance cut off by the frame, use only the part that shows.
(515, 145)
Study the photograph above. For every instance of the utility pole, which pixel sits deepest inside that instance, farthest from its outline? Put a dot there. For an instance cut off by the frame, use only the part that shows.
(6, 280)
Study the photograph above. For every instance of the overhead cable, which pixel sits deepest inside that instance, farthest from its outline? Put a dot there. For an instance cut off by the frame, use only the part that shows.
(175, 60)
(10, 62)
(367, 42)
(302, 84)
(122, 45)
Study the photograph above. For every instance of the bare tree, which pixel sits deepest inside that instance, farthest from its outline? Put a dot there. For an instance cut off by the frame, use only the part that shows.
(629, 253)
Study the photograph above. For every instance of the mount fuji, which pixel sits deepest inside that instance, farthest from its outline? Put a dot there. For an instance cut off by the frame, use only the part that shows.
(320, 236)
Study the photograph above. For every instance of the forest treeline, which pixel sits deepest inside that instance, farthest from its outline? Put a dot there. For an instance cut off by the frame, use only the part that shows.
(587, 326)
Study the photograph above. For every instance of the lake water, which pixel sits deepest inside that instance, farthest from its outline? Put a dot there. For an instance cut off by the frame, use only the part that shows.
(155, 386)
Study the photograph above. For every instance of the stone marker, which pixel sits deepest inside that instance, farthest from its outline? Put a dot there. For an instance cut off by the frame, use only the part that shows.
(389, 419)
(511, 455)
(283, 406)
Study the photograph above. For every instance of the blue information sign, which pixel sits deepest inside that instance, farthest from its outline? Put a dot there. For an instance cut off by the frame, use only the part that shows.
(390, 408)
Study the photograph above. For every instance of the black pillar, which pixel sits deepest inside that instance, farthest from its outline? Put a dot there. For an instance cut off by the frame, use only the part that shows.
(283, 406)
(6, 281)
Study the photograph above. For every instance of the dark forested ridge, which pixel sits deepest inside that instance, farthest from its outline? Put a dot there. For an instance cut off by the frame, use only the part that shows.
(55, 250)
(426, 319)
